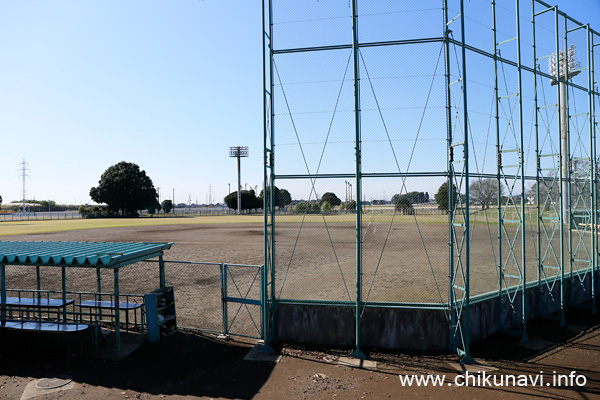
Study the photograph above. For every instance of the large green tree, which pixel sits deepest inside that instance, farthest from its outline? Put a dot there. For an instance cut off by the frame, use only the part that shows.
(331, 198)
(442, 197)
(125, 189)
(167, 206)
(414, 197)
(285, 198)
(282, 196)
(404, 205)
(249, 200)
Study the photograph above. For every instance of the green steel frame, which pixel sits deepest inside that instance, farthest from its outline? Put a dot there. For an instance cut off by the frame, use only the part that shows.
(574, 220)
(509, 140)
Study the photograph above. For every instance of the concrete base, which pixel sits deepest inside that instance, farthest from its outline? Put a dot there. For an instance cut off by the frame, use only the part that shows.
(31, 390)
(477, 368)
(357, 363)
(418, 328)
(536, 344)
(256, 355)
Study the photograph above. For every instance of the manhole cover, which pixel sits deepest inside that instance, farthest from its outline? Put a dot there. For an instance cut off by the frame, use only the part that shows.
(51, 383)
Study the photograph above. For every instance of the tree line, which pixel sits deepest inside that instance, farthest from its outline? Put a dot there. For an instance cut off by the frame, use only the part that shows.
(249, 200)
(126, 189)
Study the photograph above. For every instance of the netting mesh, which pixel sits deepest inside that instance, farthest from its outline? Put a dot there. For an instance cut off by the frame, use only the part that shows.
(466, 182)
(201, 291)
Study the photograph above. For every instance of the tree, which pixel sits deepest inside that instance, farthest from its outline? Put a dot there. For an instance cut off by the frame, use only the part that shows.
(314, 207)
(301, 206)
(125, 189)
(48, 205)
(414, 197)
(93, 212)
(442, 197)
(350, 205)
(330, 198)
(167, 206)
(484, 192)
(285, 198)
(325, 207)
(404, 205)
(418, 197)
(249, 200)
(0, 201)
(282, 197)
(153, 208)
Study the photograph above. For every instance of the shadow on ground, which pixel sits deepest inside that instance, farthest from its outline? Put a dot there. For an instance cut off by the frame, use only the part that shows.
(187, 364)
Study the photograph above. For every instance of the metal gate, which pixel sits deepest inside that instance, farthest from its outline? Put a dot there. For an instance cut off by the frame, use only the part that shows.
(217, 297)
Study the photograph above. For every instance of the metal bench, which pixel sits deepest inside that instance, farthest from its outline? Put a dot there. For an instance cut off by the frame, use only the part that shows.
(43, 326)
(104, 305)
(42, 303)
(22, 328)
(30, 304)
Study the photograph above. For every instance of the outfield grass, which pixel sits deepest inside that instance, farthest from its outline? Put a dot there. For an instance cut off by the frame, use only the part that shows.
(9, 228)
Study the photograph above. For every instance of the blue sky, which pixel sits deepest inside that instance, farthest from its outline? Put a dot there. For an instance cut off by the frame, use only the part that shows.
(166, 84)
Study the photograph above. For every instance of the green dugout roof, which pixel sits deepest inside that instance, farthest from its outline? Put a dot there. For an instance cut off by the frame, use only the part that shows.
(78, 254)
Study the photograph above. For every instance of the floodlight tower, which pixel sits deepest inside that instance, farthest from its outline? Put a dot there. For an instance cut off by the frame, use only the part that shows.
(565, 70)
(23, 174)
(239, 152)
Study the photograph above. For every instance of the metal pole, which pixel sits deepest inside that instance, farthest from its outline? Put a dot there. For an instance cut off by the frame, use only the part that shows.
(467, 359)
(592, 166)
(563, 145)
(266, 98)
(161, 271)
(239, 191)
(566, 165)
(38, 280)
(538, 172)
(64, 291)
(272, 286)
(268, 305)
(498, 167)
(357, 353)
(3, 292)
(117, 313)
(562, 195)
(453, 322)
(224, 298)
(99, 288)
(524, 337)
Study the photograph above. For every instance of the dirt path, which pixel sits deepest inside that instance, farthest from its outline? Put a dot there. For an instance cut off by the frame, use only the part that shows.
(196, 367)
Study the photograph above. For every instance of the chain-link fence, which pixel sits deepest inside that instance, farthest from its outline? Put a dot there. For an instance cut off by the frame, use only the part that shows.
(210, 297)
(64, 215)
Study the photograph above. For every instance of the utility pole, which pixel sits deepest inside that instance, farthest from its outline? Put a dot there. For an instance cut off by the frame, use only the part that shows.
(346, 185)
(239, 152)
(23, 173)
(565, 70)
